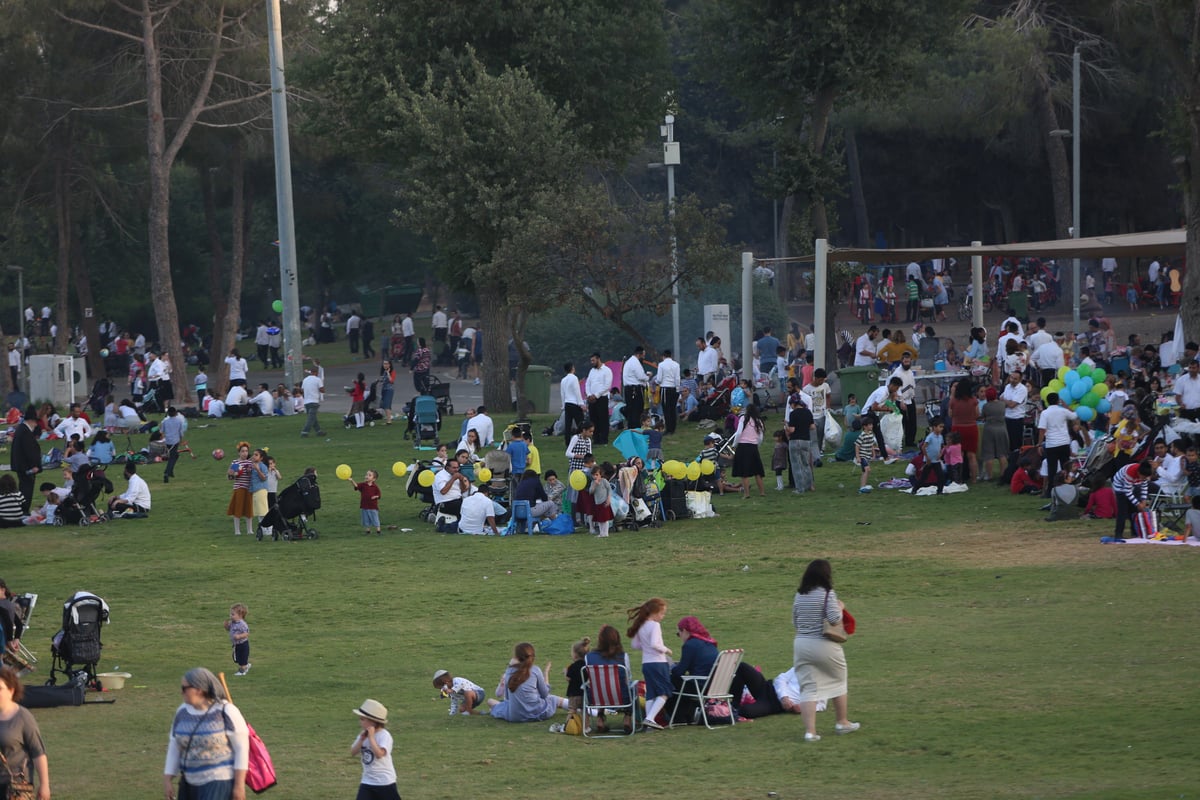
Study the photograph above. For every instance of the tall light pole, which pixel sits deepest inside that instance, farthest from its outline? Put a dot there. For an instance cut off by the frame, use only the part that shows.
(671, 160)
(288, 273)
(21, 320)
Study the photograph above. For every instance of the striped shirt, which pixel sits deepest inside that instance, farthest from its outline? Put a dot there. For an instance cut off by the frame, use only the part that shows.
(10, 507)
(865, 446)
(1127, 482)
(807, 611)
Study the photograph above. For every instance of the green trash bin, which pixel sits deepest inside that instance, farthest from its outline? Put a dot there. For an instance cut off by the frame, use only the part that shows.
(1019, 303)
(858, 381)
(537, 388)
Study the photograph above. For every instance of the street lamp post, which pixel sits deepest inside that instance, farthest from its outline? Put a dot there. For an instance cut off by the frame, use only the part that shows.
(20, 318)
(671, 160)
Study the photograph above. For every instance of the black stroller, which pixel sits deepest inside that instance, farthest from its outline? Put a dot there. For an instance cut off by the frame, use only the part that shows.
(288, 518)
(79, 507)
(414, 489)
(371, 415)
(76, 648)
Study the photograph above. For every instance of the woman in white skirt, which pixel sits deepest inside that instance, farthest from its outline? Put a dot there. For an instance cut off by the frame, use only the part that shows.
(820, 663)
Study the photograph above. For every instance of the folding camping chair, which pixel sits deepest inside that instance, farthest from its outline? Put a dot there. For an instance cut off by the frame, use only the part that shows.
(713, 686)
(1171, 504)
(606, 688)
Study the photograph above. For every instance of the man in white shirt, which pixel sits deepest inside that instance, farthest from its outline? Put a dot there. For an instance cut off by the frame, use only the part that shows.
(1152, 272)
(478, 514)
(311, 387)
(448, 487)
(572, 402)
(353, 327)
(237, 401)
(908, 393)
(707, 359)
(913, 270)
(262, 404)
(1048, 357)
(1036, 334)
(634, 381)
(1187, 389)
(262, 342)
(1014, 396)
(441, 325)
(1170, 471)
(1054, 437)
(865, 349)
(136, 497)
(599, 381)
(482, 424)
(14, 364)
(156, 374)
(818, 393)
(1012, 330)
(876, 406)
(408, 331)
(74, 424)
(668, 377)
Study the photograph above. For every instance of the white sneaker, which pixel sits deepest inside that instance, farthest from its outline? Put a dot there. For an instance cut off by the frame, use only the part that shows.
(851, 728)
(812, 737)
(889, 460)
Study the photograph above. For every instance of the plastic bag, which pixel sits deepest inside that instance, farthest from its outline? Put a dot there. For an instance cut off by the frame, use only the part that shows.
(833, 432)
(893, 431)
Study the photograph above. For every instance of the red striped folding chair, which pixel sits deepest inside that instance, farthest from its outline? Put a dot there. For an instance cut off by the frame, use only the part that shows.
(606, 688)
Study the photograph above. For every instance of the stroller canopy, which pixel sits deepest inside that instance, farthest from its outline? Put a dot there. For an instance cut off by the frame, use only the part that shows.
(632, 443)
(83, 599)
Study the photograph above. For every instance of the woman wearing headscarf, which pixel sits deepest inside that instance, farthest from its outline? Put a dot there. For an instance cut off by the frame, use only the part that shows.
(697, 655)
(209, 748)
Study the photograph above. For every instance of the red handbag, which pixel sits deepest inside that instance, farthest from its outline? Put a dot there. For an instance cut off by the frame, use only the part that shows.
(260, 772)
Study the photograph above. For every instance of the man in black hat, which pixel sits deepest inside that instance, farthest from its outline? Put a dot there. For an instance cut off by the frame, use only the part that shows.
(26, 456)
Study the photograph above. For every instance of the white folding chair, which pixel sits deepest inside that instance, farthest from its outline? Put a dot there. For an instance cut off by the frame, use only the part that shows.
(713, 686)
(606, 688)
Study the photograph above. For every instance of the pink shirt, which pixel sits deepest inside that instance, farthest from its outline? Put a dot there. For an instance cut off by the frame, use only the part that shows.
(952, 454)
(748, 434)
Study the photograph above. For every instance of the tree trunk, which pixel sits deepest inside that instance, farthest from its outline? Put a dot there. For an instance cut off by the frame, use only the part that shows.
(1189, 303)
(493, 322)
(822, 111)
(83, 294)
(517, 321)
(862, 226)
(1056, 158)
(218, 281)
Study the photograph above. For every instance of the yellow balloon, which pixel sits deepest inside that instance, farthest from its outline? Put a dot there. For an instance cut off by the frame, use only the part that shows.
(693, 471)
(343, 472)
(670, 467)
(426, 478)
(707, 467)
(399, 469)
(678, 470)
(578, 480)
(484, 474)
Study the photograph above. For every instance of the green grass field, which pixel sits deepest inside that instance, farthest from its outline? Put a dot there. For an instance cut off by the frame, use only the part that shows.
(997, 655)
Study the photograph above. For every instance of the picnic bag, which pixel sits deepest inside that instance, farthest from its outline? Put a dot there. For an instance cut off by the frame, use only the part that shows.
(574, 726)
(260, 771)
(835, 633)
(12, 785)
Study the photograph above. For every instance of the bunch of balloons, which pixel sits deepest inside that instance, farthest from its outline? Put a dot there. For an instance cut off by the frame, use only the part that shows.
(678, 470)
(1082, 389)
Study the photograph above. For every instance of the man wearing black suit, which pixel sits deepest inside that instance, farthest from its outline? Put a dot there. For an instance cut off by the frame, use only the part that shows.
(26, 456)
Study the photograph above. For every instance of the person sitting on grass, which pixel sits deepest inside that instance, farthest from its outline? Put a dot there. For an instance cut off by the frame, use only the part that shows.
(465, 695)
(136, 497)
(523, 691)
(846, 451)
(530, 489)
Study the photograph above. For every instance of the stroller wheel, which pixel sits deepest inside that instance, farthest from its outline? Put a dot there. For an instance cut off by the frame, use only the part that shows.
(287, 536)
(312, 533)
(258, 533)
(58, 522)
(450, 410)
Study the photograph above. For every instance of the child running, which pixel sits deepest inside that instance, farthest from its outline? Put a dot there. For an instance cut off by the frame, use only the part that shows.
(368, 502)
(645, 634)
(239, 637)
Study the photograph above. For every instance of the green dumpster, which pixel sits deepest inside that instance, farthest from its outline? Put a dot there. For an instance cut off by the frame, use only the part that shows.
(858, 381)
(390, 300)
(1019, 303)
(537, 388)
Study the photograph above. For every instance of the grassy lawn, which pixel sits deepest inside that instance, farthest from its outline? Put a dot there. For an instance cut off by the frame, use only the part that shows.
(997, 655)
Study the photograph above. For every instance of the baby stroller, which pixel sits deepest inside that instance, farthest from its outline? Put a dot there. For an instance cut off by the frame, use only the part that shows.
(100, 390)
(439, 390)
(79, 507)
(76, 648)
(414, 488)
(500, 463)
(396, 348)
(424, 420)
(288, 518)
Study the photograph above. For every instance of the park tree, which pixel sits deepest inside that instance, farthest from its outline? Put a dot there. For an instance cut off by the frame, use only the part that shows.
(182, 52)
(485, 109)
(1177, 25)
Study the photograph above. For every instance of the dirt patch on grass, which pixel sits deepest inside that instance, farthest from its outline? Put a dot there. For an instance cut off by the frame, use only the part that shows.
(1048, 544)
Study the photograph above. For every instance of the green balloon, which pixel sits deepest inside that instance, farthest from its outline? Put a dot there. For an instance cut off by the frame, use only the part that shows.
(1056, 385)
(1090, 400)
(277, 306)
(1084, 370)
(1099, 390)
(1098, 375)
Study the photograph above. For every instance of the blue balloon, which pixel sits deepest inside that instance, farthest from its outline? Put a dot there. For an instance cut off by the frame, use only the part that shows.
(1088, 382)
(1103, 407)
(1071, 377)
(1078, 389)
(1085, 413)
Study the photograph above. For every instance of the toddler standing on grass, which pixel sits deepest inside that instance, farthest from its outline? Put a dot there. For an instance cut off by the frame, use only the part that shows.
(865, 451)
(779, 458)
(368, 502)
(645, 634)
(465, 696)
(952, 455)
(239, 637)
